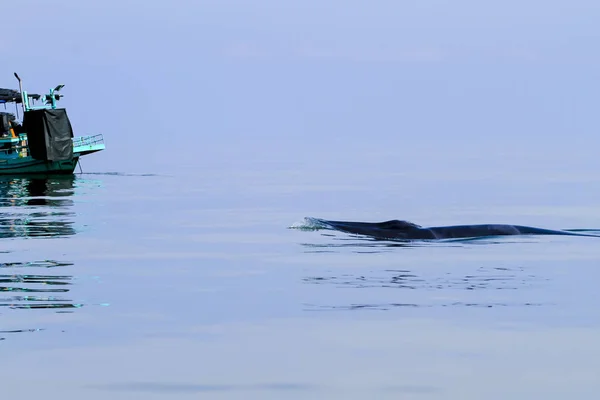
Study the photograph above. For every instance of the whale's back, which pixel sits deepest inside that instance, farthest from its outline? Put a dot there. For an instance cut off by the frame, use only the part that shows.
(397, 224)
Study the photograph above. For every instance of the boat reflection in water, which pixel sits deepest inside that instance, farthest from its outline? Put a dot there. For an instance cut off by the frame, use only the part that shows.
(35, 207)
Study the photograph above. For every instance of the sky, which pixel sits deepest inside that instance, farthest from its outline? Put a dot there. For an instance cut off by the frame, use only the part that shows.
(225, 81)
(266, 104)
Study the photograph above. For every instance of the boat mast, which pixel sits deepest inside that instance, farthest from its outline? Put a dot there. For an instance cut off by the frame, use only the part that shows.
(23, 94)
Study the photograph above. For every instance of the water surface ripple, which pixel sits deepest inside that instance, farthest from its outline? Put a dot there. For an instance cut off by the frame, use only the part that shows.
(35, 208)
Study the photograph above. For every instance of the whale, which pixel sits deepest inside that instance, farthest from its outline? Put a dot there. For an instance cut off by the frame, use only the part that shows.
(405, 230)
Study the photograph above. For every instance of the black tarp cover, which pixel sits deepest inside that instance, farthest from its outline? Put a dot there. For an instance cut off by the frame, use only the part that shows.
(49, 134)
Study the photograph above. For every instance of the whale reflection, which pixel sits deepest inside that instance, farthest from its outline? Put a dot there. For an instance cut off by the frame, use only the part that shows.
(416, 287)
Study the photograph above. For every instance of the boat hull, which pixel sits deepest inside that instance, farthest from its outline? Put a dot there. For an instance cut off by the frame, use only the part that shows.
(14, 163)
(28, 165)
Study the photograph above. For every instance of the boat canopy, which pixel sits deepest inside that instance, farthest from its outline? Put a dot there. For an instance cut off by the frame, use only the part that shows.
(14, 96)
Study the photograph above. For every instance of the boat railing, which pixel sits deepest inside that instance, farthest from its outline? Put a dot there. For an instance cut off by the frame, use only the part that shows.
(88, 140)
(21, 148)
(17, 150)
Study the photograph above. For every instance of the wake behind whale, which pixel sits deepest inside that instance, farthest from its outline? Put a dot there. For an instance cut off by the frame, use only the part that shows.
(404, 230)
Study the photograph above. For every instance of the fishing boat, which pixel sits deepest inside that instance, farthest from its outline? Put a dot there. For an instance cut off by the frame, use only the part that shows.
(42, 142)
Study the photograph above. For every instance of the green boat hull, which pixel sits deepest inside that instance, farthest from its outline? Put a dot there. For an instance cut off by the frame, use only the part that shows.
(28, 165)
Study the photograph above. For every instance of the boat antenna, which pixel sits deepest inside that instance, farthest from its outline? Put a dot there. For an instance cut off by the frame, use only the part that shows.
(23, 100)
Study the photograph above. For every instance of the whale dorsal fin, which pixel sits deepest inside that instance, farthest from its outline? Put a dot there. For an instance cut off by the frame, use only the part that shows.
(397, 224)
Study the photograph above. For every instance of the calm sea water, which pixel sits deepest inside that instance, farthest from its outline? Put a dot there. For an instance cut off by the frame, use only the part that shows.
(191, 284)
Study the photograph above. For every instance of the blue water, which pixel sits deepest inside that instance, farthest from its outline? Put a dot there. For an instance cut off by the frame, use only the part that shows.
(190, 283)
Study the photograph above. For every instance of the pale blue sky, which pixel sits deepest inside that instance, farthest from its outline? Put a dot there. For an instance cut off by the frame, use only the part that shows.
(270, 78)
